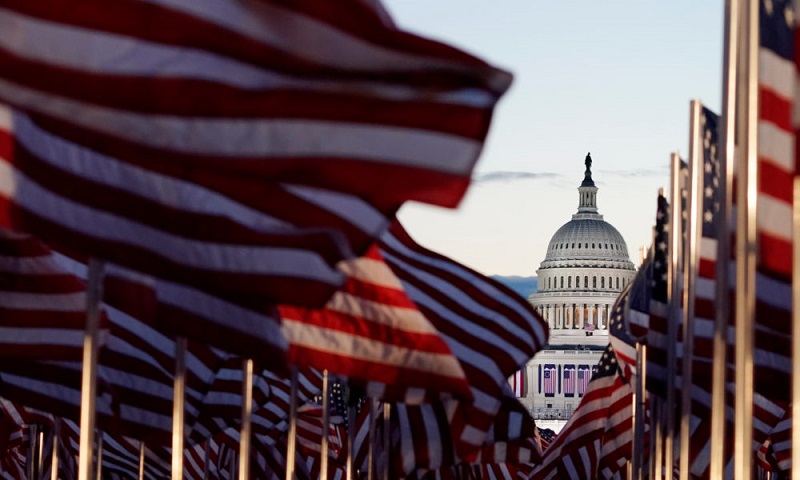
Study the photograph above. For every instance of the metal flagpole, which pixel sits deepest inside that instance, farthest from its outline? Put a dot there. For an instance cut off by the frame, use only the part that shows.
(94, 295)
(100, 439)
(40, 454)
(351, 419)
(178, 408)
(728, 134)
(746, 252)
(675, 314)
(291, 441)
(141, 460)
(796, 330)
(690, 273)
(639, 405)
(54, 459)
(326, 420)
(245, 432)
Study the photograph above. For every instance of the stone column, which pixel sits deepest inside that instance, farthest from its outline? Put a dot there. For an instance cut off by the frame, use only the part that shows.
(601, 313)
(551, 320)
(581, 320)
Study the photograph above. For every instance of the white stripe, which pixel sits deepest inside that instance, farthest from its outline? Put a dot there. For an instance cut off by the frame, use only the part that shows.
(208, 256)
(401, 319)
(169, 191)
(357, 212)
(56, 302)
(777, 73)
(776, 146)
(371, 271)
(774, 216)
(57, 337)
(362, 348)
(705, 288)
(237, 137)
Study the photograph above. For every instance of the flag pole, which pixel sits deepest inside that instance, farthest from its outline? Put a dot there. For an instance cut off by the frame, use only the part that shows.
(326, 420)
(746, 252)
(54, 459)
(351, 419)
(373, 416)
(40, 454)
(33, 450)
(178, 408)
(796, 331)
(638, 413)
(690, 274)
(675, 314)
(100, 442)
(245, 431)
(729, 97)
(141, 460)
(387, 437)
(94, 295)
(291, 441)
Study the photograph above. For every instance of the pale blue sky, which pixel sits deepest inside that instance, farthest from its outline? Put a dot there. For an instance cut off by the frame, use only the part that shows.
(613, 77)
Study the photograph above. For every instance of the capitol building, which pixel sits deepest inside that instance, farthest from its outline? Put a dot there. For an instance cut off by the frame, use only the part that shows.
(584, 270)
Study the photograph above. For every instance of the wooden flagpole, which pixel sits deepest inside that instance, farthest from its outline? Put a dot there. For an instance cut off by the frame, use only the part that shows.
(746, 250)
(291, 453)
(694, 231)
(141, 460)
(373, 416)
(796, 331)
(100, 448)
(245, 431)
(723, 219)
(387, 438)
(326, 420)
(639, 406)
(54, 459)
(178, 408)
(94, 295)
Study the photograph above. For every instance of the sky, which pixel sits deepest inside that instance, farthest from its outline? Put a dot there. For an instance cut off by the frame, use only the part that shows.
(613, 78)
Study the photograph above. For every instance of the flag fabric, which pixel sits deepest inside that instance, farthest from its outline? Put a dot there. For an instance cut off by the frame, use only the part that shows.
(173, 185)
(569, 380)
(658, 345)
(371, 331)
(584, 377)
(550, 379)
(597, 439)
(489, 328)
(618, 336)
(255, 98)
(519, 383)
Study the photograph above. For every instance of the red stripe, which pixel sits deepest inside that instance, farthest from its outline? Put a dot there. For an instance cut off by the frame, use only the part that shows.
(775, 108)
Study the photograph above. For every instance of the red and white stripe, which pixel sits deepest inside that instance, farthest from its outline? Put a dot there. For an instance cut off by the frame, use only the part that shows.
(490, 329)
(341, 98)
(370, 331)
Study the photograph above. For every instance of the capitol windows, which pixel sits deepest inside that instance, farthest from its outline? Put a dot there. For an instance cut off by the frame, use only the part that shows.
(586, 281)
(617, 283)
(569, 282)
(562, 282)
(602, 282)
(593, 245)
(577, 281)
(594, 282)
(609, 282)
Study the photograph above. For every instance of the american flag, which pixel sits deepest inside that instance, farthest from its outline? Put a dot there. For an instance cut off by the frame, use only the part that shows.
(584, 377)
(112, 162)
(596, 441)
(569, 380)
(371, 331)
(776, 156)
(624, 345)
(519, 383)
(550, 378)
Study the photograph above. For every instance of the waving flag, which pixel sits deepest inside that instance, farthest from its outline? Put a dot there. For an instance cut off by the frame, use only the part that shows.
(596, 441)
(519, 382)
(370, 331)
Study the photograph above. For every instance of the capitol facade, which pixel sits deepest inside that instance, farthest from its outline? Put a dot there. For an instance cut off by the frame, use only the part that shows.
(585, 269)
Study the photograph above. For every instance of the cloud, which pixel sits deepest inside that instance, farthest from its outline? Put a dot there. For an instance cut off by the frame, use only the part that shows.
(636, 173)
(505, 177)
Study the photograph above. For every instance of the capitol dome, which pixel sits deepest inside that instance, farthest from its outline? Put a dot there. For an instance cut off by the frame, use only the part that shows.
(584, 270)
